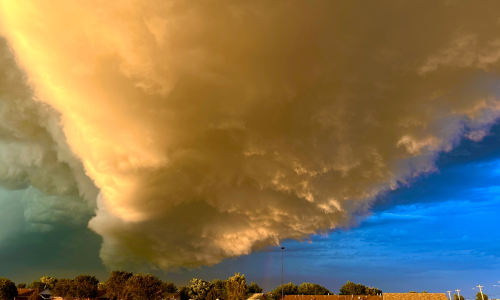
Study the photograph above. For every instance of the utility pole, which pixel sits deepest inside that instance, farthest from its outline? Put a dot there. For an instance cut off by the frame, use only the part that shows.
(458, 293)
(282, 296)
(481, 291)
(449, 294)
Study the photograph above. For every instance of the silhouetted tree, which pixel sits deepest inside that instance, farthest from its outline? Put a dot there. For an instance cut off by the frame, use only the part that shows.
(145, 286)
(254, 288)
(116, 284)
(213, 294)
(169, 287)
(236, 287)
(36, 285)
(85, 286)
(307, 288)
(478, 296)
(455, 297)
(219, 285)
(8, 289)
(184, 291)
(63, 288)
(21, 285)
(351, 288)
(199, 289)
(372, 291)
(288, 289)
(49, 282)
(34, 295)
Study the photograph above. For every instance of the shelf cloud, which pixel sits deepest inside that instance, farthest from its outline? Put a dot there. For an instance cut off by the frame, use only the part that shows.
(204, 130)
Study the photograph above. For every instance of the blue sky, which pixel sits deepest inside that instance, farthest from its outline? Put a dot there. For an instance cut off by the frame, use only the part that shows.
(439, 233)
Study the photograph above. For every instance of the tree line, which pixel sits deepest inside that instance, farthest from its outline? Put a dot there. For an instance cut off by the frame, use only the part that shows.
(233, 288)
(307, 288)
(126, 285)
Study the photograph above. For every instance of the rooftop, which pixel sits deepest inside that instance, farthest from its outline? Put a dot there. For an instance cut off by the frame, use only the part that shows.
(415, 296)
(332, 297)
(27, 292)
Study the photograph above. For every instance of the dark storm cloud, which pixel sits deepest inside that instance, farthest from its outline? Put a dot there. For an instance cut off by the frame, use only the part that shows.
(210, 130)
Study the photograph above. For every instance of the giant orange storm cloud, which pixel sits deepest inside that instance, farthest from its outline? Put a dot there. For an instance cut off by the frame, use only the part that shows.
(207, 129)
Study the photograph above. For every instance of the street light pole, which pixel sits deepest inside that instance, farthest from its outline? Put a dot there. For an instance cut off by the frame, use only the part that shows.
(449, 294)
(458, 293)
(282, 296)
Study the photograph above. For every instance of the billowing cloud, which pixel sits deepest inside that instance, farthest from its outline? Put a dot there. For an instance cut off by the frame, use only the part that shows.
(215, 128)
(43, 176)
